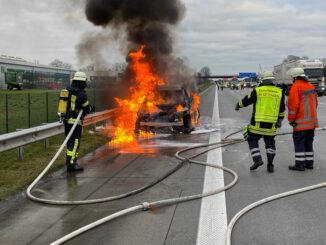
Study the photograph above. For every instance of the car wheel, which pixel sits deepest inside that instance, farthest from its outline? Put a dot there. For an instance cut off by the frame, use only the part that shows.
(187, 124)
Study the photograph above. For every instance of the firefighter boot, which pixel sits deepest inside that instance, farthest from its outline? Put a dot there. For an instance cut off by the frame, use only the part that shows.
(297, 167)
(256, 164)
(270, 166)
(75, 168)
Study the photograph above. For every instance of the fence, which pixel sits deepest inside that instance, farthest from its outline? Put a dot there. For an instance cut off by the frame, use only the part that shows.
(24, 109)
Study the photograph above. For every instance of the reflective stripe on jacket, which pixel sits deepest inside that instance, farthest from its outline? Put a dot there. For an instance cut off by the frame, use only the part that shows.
(77, 100)
(274, 108)
(302, 105)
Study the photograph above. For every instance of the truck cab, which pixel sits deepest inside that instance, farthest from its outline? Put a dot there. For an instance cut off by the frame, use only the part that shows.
(313, 69)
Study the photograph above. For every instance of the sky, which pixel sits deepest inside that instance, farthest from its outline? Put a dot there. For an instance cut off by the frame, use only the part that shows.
(228, 36)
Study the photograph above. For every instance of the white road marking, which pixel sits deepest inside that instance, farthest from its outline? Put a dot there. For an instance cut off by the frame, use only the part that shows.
(321, 103)
(213, 218)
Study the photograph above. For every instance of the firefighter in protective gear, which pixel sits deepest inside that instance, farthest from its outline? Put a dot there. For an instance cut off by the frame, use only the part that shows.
(77, 100)
(268, 113)
(302, 116)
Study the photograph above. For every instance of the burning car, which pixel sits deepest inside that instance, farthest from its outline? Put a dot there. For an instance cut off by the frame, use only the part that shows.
(175, 111)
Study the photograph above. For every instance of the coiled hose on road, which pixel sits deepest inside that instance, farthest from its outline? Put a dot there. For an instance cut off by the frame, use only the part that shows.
(149, 205)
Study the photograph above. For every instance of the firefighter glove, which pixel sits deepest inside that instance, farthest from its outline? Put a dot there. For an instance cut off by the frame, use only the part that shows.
(293, 124)
(279, 123)
(245, 132)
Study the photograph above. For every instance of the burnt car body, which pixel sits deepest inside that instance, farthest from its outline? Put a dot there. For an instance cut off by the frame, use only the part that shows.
(174, 113)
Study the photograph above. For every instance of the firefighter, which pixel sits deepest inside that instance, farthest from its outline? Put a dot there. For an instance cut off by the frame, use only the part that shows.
(77, 100)
(302, 116)
(268, 113)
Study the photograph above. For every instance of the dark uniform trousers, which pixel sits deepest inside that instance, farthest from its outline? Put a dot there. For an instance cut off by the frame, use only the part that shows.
(253, 140)
(72, 144)
(303, 146)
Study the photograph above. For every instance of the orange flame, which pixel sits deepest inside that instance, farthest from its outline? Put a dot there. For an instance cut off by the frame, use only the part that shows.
(144, 88)
(179, 108)
(196, 101)
(194, 109)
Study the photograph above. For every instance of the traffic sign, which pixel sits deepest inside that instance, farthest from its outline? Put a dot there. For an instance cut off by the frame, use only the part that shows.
(247, 74)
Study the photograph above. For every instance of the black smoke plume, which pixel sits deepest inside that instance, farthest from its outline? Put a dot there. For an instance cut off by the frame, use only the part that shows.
(144, 22)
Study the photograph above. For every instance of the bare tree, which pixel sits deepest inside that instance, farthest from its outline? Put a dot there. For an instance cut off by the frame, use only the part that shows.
(119, 67)
(61, 64)
(205, 71)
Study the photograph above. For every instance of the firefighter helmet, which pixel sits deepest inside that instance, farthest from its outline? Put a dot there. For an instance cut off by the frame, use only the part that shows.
(80, 76)
(297, 72)
(267, 75)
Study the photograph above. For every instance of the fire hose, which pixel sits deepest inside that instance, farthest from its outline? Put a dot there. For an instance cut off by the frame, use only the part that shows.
(145, 206)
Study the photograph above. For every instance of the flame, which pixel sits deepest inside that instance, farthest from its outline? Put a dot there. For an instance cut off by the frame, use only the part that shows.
(179, 108)
(194, 109)
(143, 91)
(196, 101)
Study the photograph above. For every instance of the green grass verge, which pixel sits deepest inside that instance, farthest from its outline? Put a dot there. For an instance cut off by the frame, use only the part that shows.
(16, 175)
(203, 86)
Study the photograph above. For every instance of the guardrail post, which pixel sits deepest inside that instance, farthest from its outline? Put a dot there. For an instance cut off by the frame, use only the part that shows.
(46, 143)
(21, 152)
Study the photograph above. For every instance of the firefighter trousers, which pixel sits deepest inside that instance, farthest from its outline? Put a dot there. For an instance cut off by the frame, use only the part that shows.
(72, 144)
(303, 146)
(253, 141)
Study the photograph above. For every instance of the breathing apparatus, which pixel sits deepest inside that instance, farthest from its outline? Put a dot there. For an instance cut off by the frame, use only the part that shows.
(63, 103)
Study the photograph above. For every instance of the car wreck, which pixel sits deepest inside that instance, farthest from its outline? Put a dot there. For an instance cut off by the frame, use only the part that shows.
(175, 112)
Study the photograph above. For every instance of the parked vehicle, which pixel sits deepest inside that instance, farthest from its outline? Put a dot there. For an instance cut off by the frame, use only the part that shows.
(13, 80)
(313, 69)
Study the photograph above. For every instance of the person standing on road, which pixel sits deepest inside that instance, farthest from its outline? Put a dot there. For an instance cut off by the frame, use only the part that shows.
(302, 116)
(268, 113)
(77, 100)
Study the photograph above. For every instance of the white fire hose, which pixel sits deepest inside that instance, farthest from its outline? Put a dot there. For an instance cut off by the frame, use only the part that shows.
(149, 205)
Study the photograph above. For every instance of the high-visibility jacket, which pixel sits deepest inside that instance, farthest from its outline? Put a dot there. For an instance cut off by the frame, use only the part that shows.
(269, 106)
(302, 105)
(77, 100)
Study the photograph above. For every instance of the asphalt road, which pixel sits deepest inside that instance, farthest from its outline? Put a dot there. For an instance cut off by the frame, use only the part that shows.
(296, 220)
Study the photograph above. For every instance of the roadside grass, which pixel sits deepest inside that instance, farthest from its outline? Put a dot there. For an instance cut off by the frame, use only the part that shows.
(16, 175)
(203, 86)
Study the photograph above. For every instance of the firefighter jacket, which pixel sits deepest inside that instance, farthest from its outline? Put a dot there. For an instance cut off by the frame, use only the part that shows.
(268, 108)
(77, 100)
(302, 105)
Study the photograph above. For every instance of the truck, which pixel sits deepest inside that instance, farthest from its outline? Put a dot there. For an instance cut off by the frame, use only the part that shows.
(313, 69)
(13, 80)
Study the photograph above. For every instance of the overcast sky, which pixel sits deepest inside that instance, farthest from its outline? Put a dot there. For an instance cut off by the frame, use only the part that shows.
(229, 36)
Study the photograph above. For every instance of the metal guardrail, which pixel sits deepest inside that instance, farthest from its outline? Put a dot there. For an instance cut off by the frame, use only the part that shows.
(19, 139)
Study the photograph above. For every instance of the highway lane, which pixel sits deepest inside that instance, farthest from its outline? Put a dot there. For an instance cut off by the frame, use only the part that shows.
(298, 219)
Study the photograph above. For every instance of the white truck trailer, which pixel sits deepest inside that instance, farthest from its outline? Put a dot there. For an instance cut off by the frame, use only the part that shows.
(313, 69)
